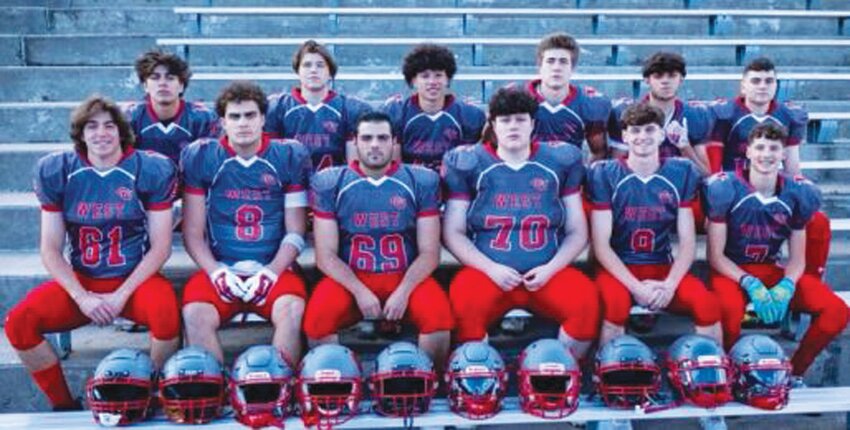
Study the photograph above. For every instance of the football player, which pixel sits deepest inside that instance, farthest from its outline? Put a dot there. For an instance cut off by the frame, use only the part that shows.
(638, 205)
(244, 208)
(164, 122)
(751, 213)
(733, 121)
(514, 219)
(313, 113)
(432, 120)
(567, 112)
(377, 230)
(114, 205)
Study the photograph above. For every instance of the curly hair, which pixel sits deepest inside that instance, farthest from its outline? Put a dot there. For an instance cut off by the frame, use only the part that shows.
(92, 106)
(664, 62)
(240, 91)
(768, 130)
(511, 100)
(428, 56)
(313, 47)
(176, 66)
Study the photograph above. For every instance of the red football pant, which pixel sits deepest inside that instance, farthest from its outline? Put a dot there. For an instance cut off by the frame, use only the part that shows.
(569, 298)
(48, 308)
(691, 298)
(818, 235)
(829, 312)
(200, 289)
(332, 307)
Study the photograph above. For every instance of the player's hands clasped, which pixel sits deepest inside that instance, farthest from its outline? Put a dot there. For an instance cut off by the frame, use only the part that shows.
(368, 304)
(95, 308)
(662, 293)
(258, 286)
(538, 277)
(396, 305)
(504, 277)
(781, 293)
(761, 299)
(229, 286)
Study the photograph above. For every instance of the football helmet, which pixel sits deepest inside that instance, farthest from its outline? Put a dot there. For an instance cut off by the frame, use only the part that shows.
(626, 373)
(549, 379)
(120, 390)
(762, 372)
(192, 386)
(699, 371)
(404, 381)
(476, 380)
(260, 385)
(329, 386)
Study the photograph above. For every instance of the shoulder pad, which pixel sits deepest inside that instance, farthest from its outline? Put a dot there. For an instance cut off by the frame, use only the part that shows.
(327, 179)
(463, 158)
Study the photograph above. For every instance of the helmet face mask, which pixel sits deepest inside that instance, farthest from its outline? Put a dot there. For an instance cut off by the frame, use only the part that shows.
(700, 371)
(260, 386)
(329, 386)
(762, 372)
(626, 373)
(192, 387)
(119, 393)
(404, 381)
(476, 380)
(549, 380)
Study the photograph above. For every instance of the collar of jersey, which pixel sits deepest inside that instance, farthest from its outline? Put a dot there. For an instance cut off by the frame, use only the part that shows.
(770, 108)
(355, 166)
(155, 117)
(296, 94)
(491, 149)
(744, 175)
(450, 98)
(533, 88)
(265, 141)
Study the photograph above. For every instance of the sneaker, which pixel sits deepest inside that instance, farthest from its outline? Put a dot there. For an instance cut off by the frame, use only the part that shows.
(712, 423)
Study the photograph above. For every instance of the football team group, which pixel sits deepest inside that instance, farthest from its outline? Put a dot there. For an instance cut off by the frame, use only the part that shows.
(509, 193)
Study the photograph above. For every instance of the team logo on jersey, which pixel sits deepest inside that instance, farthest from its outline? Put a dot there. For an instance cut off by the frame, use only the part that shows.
(124, 193)
(398, 202)
(539, 184)
(780, 218)
(450, 134)
(268, 179)
(665, 197)
(330, 126)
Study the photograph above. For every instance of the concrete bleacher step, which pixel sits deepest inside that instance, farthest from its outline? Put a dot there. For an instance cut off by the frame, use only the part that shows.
(33, 20)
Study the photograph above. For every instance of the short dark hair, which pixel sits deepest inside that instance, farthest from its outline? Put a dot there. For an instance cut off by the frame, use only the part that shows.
(768, 130)
(93, 105)
(240, 91)
(760, 64)
(511, 100)
(642, 114)
(176, 66)
(428, 56)
(373, 116)
(559, 41)
(313, 47)
(664, 62)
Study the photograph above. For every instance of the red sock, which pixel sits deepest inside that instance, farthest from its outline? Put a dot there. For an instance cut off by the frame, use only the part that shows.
(53, 385)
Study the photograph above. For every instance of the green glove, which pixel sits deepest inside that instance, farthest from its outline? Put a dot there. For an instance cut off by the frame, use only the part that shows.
(782, 293)
(760, 297)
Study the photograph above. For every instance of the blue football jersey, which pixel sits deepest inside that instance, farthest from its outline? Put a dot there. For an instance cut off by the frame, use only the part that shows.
(757, 225)
(584, 112)
(733, 122)
(193, 121)
(644, 210)
(323, 128)
(105, 210)
(424, 137)
(376, 217)
(694, 114)
(516, 214)
(246, 198)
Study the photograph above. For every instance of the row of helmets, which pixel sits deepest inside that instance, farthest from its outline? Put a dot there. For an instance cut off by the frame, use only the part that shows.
(328, 385)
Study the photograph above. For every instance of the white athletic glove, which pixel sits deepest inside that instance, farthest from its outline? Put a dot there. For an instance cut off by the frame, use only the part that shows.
(678, 133)
(257, 287)
(229, 287)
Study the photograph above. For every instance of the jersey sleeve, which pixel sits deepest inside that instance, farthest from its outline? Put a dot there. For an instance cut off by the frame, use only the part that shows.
(274, 115)
(473, 123)
(797, 125)
(210, 126)
(457, 168)
(599, 188)
(690, 182)
(427, 191)
(354, 108)
(323, 191)
(720, 113)
(699, 122)
(49, 181)
(718, 195)
(615, 127)
(394, 108)
(808, 199)
(193, 166)
(157, 182)
(598, 112)
(570, 162)
(299, 166)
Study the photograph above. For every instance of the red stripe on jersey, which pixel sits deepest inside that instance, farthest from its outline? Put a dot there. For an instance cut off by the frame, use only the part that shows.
(432, 212)
(51, 208)
(686, 204)
(717, 220)
(458, 196)
(294, 188)
(158, 206)
(323, 215)
(194, 190)
(601, 206)
(568, 191)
